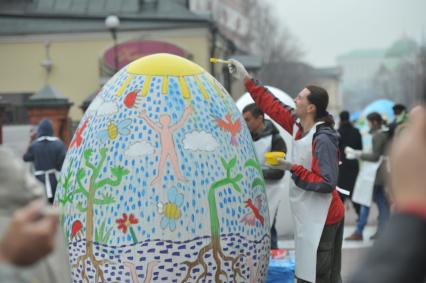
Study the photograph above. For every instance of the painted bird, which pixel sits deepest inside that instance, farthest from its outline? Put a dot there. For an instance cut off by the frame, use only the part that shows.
(231, 127)
(250, 218)
(78, 138)
(76, 229)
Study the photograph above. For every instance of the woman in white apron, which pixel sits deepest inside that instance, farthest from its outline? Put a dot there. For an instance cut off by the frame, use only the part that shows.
(371, 180)
(317, 208)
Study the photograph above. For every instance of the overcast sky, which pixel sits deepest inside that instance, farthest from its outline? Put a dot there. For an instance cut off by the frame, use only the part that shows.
(328, 28)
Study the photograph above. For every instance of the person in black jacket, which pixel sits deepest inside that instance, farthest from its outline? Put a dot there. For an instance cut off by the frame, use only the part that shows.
(348, 170)
(266, 137)
(48, 153)
(400, 254)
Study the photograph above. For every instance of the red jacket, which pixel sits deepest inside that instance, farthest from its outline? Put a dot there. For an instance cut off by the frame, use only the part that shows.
(323, 174)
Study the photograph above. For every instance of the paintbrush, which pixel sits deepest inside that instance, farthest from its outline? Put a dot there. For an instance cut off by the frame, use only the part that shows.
(217, 60)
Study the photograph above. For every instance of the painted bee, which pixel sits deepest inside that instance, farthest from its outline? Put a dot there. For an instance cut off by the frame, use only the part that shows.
(114, 130)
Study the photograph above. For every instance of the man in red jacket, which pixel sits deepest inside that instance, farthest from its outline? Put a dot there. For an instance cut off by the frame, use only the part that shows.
(317, 209)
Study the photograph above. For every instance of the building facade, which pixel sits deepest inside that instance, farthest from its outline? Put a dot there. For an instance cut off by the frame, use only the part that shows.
(65, 44)
(391, 73)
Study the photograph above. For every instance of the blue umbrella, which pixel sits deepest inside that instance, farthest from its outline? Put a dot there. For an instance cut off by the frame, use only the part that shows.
(355, 116)
(382, 106)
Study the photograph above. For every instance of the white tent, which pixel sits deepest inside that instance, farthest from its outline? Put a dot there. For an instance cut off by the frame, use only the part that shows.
(284, 222)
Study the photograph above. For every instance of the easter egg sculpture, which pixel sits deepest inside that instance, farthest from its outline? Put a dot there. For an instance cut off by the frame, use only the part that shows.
(161, 182)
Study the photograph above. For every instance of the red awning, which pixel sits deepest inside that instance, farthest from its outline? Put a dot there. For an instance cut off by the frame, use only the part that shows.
(132, 50)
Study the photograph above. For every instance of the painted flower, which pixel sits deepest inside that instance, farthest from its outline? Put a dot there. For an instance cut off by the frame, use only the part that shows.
(171, 209)
(124, 223)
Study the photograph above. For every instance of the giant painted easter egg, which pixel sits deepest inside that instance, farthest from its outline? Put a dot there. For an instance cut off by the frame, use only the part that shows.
(161, 182)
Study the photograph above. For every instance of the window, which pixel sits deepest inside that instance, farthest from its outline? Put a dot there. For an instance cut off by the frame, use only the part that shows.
(15, 111)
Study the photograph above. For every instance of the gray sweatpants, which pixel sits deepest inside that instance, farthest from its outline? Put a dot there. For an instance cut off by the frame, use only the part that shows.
(329, 255)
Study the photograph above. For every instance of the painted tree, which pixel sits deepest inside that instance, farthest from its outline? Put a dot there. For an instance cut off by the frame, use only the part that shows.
(67, 194)
(93, 199)
(215, 245)
(258, 181)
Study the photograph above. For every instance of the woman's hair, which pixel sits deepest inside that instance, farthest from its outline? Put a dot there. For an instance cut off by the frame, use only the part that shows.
(375, 117)
(319, 97)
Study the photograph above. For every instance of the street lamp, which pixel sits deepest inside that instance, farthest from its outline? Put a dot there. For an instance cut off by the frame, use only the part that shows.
(112, 22)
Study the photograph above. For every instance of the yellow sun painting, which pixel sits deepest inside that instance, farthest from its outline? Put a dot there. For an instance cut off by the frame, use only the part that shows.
(166, 66)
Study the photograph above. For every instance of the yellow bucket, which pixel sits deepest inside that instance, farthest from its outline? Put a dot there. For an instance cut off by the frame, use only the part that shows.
(271, 157)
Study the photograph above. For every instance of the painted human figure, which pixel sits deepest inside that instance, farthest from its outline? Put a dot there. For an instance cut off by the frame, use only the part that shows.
(166, 139)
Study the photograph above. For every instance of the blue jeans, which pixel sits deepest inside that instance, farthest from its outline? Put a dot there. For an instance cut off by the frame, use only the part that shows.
(382, 203)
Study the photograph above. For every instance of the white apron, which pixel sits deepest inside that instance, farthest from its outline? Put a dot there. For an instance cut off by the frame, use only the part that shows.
(47, 185)
(364, 184)
(272, 187)
(309, 209)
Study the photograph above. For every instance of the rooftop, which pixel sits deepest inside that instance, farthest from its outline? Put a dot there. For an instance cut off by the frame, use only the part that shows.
(48, 96)
(65, 16)
(402, 47)
(362, 53)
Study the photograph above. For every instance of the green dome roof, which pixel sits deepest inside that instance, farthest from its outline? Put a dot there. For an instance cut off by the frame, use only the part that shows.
(402, 47)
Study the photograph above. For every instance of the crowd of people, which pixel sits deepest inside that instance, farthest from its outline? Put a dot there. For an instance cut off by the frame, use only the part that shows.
(324, 157)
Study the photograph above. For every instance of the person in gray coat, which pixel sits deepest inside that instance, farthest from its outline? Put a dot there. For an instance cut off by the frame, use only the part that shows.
(399, 255)
(19, 188)
(380, 142)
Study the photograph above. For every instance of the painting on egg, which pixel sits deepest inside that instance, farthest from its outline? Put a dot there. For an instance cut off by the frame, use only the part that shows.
(161, 182)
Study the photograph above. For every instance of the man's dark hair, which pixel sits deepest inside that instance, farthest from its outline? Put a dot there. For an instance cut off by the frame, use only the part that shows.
(254, 110)
(398, 108)
(344, 116)
(319, 97)
(375, 117)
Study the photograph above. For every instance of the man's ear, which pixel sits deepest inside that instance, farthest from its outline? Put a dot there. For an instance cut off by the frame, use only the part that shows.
(311, 108)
